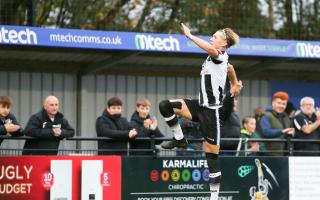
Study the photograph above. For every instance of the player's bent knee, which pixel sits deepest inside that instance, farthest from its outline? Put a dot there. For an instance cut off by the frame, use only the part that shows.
(176, 104)
(165, 108)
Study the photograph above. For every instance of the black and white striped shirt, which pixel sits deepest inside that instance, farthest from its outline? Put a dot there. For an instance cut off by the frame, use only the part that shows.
(213, 79)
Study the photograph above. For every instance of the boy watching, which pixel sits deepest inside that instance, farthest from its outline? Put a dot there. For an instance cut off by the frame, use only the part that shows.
(8, 122)
(111, 124)
(145, 125)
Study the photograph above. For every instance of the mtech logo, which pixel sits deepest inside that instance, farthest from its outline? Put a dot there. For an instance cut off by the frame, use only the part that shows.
(11, 36)
(148, 42)
(307, 50)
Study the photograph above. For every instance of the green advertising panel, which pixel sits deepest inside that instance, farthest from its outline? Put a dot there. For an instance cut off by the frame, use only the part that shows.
(187, 178)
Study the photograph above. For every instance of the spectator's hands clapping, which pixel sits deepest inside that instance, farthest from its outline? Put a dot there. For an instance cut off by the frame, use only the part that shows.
(133, 133)
(150, 124)
(289, 131)
(147, 123)
(255, 147)
(11, 127)
(154, 124)
(57, 132)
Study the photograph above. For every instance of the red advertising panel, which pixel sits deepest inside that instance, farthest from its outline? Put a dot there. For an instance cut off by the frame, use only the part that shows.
(34, 177)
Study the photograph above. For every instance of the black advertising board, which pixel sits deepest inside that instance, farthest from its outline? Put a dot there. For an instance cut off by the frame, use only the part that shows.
(187, 178)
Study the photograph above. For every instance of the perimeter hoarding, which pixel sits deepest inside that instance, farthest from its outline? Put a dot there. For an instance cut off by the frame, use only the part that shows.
(187, 179)
(177, 43)
(142, 178)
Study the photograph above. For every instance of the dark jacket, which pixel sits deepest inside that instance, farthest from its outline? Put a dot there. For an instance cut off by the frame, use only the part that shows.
(40, 126)
(4, 121)
(300, 120)
(230, 129)
(137, 123)
(115, 127)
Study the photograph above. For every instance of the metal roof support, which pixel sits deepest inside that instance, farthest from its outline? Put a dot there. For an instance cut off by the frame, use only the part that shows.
(109, 62)
(261, 66)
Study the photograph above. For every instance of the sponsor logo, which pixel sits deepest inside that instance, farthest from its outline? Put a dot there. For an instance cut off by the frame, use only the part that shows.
(165, 175)
(262, 191)
(184, 164)
(244, 170)
(186, 175)
(177, 175)
(148, 42)
(205, 175)
(307, 50)
(196, 175)
(154, 175)
(11, 36)
(104, 179)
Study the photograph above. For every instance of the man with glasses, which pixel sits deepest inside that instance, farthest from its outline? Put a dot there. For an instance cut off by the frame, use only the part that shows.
(307, 124)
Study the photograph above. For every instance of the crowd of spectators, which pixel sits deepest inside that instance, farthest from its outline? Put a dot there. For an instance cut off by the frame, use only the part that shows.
(279, 120)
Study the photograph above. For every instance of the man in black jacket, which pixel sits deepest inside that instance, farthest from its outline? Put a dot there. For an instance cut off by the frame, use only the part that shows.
(145, 125)
(111, 124)
(230, 129)
(48, 127)
(8, 122)
(307, 125)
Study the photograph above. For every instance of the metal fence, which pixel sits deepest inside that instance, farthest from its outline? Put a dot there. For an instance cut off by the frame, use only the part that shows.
(157, 151)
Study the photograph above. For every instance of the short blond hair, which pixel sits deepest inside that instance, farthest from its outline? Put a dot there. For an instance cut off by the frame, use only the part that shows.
(143, 102)
(231, 37)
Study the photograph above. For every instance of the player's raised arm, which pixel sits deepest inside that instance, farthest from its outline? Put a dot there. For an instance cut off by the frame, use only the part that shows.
(220, 41)
(212, 51)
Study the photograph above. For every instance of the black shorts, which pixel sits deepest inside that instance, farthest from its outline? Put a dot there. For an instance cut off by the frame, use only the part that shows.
(208, 119)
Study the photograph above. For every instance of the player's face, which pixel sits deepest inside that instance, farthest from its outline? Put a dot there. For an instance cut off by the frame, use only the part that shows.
(143, 111)
(250, 125)
(218, 39)
(307, 106)
(4, 111)
(114, 110)
(279, 105)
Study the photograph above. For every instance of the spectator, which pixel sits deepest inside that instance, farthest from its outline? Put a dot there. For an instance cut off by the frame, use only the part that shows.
(290, 110)
(230, 129)
(8, 122)
(275, 123)
(145, 125)
(307, 125)
(48, 127)
(258, 111)
(248, 131)
(191, 130)
(111, 124)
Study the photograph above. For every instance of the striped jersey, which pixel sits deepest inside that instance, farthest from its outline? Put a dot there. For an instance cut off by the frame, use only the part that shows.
(213, 80)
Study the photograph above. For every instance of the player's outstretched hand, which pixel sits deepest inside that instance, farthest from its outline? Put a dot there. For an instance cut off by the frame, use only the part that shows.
(185, 30)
